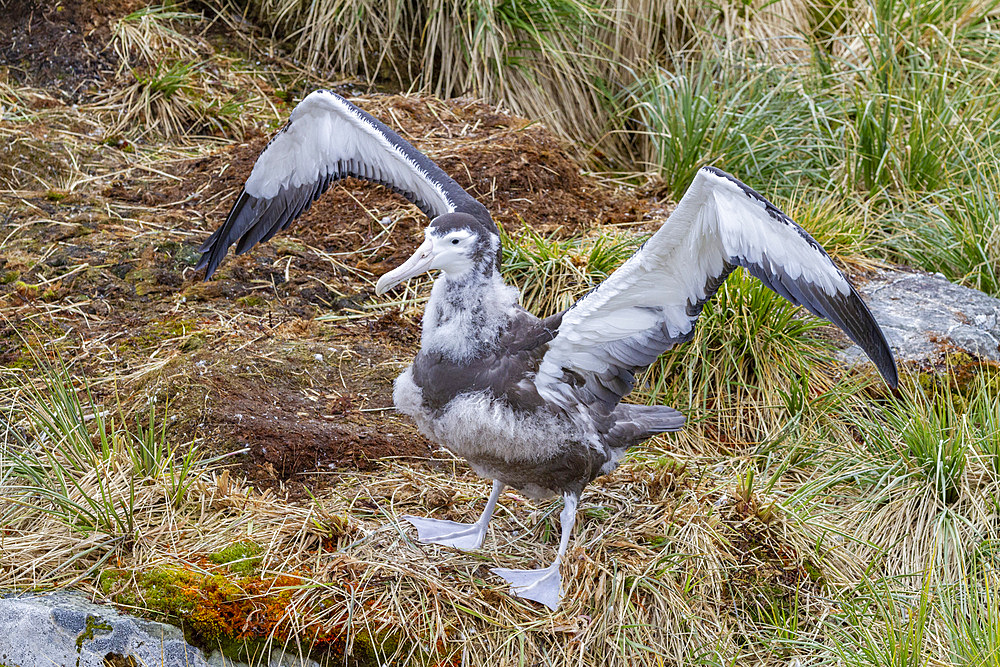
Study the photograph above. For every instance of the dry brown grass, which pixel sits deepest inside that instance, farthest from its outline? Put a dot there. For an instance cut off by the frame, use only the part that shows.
(359, 570)
(171, 82)
(742, 541)
(561, 62)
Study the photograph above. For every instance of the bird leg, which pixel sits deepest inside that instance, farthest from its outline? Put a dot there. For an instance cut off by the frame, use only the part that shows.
(454, 534)
(545, 585)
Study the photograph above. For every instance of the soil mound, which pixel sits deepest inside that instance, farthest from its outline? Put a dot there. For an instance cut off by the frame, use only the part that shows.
(61, 45)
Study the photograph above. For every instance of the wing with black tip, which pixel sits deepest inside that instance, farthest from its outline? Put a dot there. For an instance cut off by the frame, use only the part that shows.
(653, 300)
(328, 138)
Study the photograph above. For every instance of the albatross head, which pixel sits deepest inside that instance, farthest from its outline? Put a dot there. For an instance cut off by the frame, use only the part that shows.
(455, 243)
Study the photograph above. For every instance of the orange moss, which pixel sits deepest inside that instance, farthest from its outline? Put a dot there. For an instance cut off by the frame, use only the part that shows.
(237, 614)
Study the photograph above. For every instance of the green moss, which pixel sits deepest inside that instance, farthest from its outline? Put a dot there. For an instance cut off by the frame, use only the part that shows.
(187, 255)
(193, 343)
(9, 277)
(286, 246)
(156, 332)
(172, 328)
(56, 195)
(814, 573)
(21, 363)
(251, 300)
(241, 557)
(26, 290)
(94, 627)
(958, 372)
(137, 276)
(107, 580)
(208, 608)
(242, 618)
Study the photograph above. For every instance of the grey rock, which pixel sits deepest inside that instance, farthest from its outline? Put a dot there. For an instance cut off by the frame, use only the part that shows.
(925, 315)
(65, 629)
(43, 630)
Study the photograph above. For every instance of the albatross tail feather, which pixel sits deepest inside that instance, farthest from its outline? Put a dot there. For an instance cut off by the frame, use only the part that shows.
(636, 423)
(656, 418)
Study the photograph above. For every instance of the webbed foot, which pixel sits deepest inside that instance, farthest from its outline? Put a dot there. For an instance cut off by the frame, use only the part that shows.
(544, 585)
(448, 533)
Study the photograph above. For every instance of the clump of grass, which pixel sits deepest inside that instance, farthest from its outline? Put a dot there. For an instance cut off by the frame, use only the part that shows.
(884, 631)
(241, 558)
(82, 464)
(555, 273)
(67, 457)
(957, 232)
(971, 614)
(159, 100)
(924, 468)
(172, 83)
(562, 60)
(751, 120)
(145, 34)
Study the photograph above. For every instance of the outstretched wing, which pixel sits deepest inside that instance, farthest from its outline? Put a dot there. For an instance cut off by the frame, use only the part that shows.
(328, 138)
(654, 299)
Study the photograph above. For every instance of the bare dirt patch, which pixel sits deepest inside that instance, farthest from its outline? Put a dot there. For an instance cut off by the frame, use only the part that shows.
(98, 262)
(60, 45)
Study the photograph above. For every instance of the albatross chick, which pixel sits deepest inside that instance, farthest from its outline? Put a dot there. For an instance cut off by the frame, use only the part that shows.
(535, 403)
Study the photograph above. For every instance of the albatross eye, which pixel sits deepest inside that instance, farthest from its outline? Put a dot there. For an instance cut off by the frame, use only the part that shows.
(454, 241)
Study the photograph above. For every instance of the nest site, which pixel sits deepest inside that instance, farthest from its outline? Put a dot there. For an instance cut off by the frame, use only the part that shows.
(283, 365)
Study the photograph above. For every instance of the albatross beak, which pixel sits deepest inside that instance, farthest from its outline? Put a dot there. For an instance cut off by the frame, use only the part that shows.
(419, 262)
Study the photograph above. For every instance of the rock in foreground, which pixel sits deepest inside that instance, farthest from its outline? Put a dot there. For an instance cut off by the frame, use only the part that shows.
(66, 629)
(925, 317)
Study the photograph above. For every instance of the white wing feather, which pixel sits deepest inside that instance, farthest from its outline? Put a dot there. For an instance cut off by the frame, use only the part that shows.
(324, 130)
(654, 299)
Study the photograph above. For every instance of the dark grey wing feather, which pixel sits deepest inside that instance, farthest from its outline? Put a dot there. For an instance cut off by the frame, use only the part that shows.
(326, 139)
(505, 374)
(847, 311)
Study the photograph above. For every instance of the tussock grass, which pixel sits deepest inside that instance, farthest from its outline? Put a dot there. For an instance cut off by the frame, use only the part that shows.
(147, 33)
(959, 232)
(561, 60)
(972, 618)
(748, 120)
(95, 485)
(554, 273)
(172, 83)
(937, 470)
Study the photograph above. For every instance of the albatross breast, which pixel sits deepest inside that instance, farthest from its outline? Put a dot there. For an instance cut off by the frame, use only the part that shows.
(488, 411)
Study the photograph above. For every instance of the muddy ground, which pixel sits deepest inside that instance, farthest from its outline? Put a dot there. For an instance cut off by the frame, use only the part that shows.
(286, 354)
